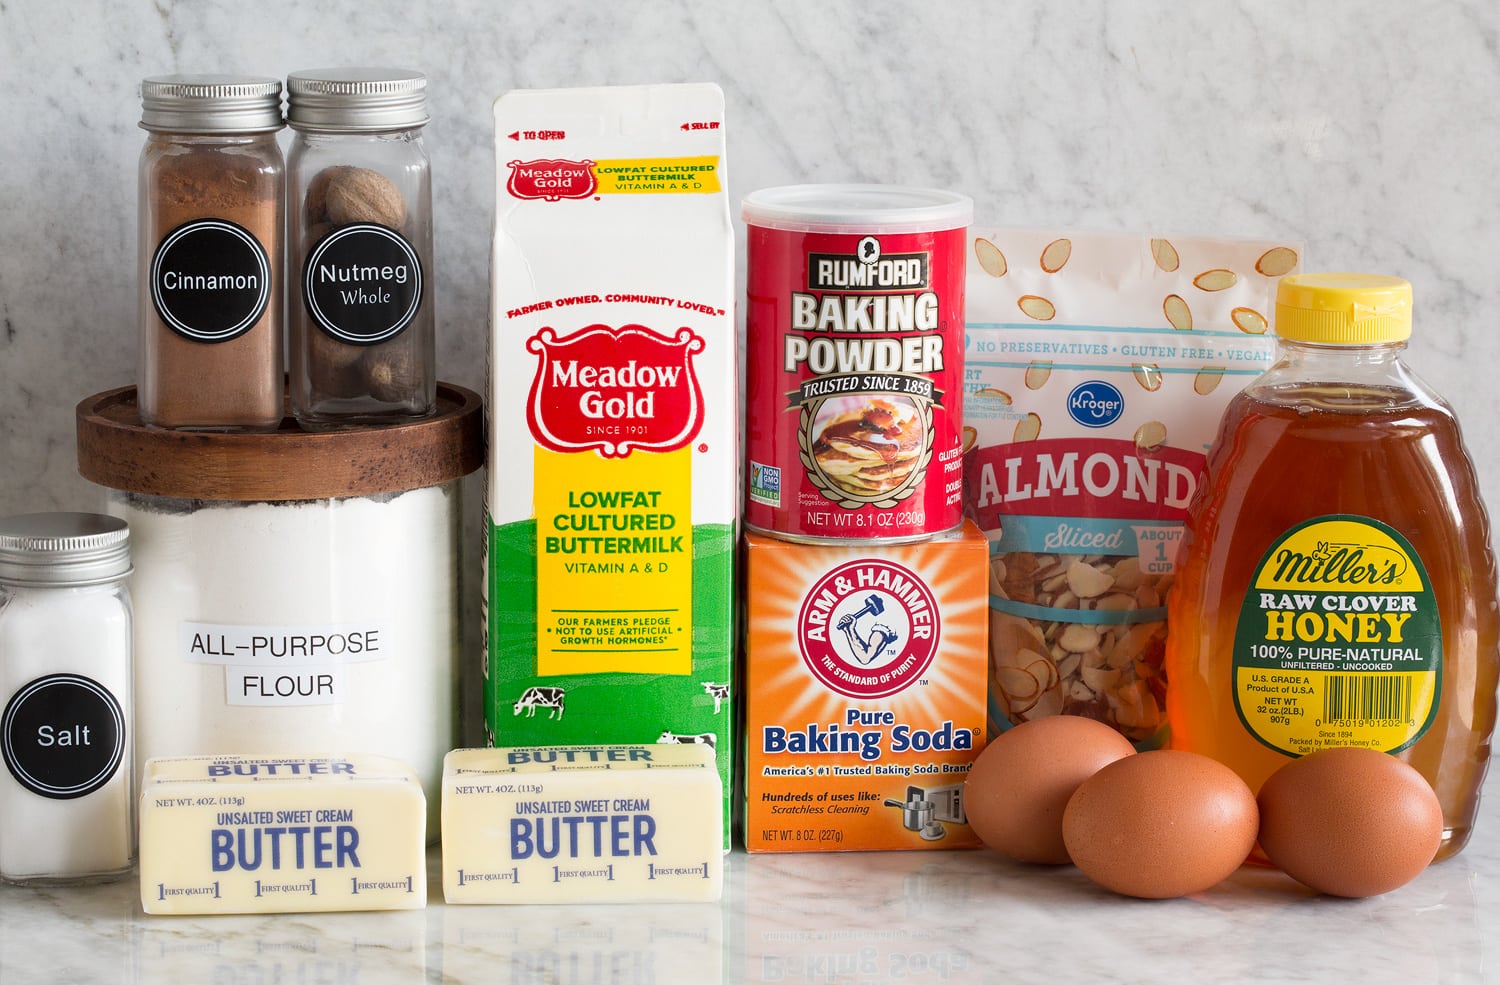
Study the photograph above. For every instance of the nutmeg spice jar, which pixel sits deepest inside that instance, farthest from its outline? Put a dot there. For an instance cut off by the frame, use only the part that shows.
(362, 335)
(212, 210)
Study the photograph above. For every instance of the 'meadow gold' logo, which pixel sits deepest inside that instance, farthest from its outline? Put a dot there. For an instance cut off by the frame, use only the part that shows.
(613, 390)
(551, 179)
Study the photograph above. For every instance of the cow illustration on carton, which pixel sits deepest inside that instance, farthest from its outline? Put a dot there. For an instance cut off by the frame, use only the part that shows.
(533, 698)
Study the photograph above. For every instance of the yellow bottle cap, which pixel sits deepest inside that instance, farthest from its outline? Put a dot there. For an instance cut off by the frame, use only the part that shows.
(1343, 309)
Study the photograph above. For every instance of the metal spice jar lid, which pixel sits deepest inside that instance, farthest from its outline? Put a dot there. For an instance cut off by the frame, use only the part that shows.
(117, 451)
(211, 104)
(356, 99)
(71, 549)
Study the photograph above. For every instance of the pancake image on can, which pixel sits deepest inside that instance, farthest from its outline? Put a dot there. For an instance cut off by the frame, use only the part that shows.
(872, 448)
(855, 346)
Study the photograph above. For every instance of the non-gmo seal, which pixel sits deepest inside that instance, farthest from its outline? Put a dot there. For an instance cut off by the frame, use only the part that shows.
(210, 280)
(1095, 404)
(63, 736)
(362, 283)
(868, 628)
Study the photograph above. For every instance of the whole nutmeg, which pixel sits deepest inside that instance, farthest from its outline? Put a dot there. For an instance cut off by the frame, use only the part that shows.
(313, 234)
(361, 195)
(392, 371)
(315, 202)
(325, 350)
(333, 367)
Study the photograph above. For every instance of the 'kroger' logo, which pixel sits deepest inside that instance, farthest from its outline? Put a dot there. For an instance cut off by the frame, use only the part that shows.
(1095, 404)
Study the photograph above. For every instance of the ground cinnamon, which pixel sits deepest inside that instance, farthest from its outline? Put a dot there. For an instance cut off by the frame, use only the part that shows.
(211, 248)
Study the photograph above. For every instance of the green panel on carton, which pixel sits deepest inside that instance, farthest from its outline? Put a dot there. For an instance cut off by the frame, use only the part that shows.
(613, 707)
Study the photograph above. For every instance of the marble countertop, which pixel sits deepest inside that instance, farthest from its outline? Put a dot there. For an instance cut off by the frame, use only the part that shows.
(940, 916)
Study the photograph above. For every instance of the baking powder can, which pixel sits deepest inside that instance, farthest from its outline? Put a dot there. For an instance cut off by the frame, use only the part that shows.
(854, 348)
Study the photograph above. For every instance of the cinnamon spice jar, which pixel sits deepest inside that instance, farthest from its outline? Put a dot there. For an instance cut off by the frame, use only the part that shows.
(212, 208)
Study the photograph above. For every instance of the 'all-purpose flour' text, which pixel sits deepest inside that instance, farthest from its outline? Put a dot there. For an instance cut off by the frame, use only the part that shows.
(283, 665)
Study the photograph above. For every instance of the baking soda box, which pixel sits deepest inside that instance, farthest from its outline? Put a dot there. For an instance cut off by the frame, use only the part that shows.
(611, 504)
(864, 692)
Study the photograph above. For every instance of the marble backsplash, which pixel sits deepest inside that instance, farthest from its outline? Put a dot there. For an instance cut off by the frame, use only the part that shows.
(1367, 131)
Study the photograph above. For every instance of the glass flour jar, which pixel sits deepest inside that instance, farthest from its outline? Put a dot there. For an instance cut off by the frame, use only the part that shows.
(296, 592)
(66, 810)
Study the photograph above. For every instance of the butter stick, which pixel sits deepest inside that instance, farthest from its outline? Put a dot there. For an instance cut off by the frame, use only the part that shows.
(582, 824)
(281, 834)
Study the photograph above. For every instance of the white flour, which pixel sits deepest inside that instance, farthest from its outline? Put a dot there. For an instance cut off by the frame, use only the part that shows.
(315, 627)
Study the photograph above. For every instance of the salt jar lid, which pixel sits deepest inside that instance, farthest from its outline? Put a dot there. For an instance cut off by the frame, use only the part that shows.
(356, 99)
(117, 451)
(63, 549)
(211, 104)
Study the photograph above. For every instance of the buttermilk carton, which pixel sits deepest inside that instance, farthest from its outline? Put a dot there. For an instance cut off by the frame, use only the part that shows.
(611, 506)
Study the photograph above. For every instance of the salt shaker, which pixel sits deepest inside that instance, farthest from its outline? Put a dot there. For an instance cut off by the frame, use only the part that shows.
(66, 806)
(362, 347)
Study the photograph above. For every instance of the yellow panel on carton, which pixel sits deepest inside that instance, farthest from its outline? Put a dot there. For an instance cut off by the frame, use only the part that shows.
(658, 175)
(614, 563)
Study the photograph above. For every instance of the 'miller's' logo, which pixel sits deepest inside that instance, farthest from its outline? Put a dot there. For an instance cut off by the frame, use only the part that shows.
(551, 179)
(614, 390)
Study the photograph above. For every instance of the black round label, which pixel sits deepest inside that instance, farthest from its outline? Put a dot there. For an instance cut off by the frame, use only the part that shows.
(210, 280)
(63, 736)
(362, 283)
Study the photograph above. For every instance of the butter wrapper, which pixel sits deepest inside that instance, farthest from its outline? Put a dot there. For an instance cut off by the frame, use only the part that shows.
(279, 834)
(582, 824)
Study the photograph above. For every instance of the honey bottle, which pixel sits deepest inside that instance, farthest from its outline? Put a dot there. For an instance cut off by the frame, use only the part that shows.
(1336, 585)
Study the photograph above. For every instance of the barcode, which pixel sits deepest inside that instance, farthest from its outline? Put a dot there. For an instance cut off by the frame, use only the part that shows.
(1365, 698)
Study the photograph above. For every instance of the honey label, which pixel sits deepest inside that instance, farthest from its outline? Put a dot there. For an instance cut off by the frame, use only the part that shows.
(1339, 642)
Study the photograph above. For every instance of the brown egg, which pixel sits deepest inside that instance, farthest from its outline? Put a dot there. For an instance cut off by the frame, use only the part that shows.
(1161, 824)
(1020, 784)
(1350, 822)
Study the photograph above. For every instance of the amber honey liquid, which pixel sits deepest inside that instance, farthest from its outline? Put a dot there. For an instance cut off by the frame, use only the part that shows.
(1287, 454)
